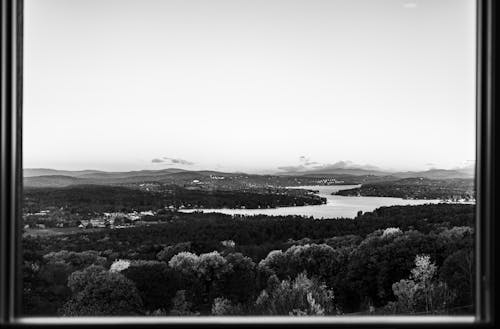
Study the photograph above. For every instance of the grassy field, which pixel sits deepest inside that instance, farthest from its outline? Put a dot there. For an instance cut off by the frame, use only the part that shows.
(74, 230)
(58, 231)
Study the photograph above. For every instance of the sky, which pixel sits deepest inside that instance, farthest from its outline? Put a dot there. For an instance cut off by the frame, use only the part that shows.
(248, 85)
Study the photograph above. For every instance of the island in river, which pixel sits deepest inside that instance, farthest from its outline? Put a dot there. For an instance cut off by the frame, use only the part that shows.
(455, 190)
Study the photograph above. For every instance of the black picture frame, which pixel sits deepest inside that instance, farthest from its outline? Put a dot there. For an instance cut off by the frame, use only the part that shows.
(11, 176)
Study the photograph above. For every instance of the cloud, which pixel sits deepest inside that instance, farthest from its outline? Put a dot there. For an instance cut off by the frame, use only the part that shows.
(337, 165)
(177, 161)
(307, 164)
(293, 168)
(410, 5)
(466, 165)
(346, 165)
(306, 161)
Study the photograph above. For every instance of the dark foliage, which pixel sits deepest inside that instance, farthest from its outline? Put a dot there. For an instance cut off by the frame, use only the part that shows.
(359, 260)
(417, 188)
(156, 282)
(100, 198)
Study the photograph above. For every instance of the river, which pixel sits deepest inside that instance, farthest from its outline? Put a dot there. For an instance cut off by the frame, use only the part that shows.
(336, 205)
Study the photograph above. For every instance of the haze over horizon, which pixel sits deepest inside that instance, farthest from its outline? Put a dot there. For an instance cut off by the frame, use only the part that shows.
(285, 170)
(259, 86)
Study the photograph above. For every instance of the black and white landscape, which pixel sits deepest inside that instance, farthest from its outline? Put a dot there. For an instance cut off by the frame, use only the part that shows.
(188, 157)
(179, 242)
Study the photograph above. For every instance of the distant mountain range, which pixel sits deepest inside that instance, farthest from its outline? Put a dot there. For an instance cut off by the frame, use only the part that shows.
(31, 172)
(350, 168)
(430, 174)
(338, 171)
(175, 176)
(439, 173)
(41, 177)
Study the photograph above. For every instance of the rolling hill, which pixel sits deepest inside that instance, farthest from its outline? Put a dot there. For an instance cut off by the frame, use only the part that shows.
(175, 176)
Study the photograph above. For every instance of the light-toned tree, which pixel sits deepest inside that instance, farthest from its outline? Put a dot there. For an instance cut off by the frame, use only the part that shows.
(184, 262)
(421, 292)
(302, 296)
(119, 265)
(423, 275)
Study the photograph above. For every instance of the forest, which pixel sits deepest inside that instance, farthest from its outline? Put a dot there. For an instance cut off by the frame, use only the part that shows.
(394, 260)
(100, 198)
(417, 188)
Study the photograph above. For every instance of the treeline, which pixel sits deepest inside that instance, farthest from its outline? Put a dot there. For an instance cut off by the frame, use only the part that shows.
(256, 235)
(417, 188)
(212, 264)
(100, 198)
(307, 279)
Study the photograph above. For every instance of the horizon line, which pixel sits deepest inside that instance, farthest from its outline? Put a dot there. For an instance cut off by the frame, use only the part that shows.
(275, 172)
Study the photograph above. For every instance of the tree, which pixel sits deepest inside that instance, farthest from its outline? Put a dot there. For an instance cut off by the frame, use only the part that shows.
(239, 284)
(421, 292)
(170, 251)
(350, 240)
(317, 260)
(223, 306)
(275, 262)
(181, 305)
(379, 261)
(97, 292)
(391, 231)
(423, 275)
(36, 299)
(207, 270)
(458, 273)
(404, 290)
(78, 280)
(212, 266)
(77, 260)
(54, 269)
(59, 265)
(156, 282)
(302, 296)
(119, 265)
(210, 269)
(184, 262)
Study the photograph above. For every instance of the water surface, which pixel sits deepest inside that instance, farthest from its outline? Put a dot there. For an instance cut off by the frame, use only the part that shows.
(335, 207)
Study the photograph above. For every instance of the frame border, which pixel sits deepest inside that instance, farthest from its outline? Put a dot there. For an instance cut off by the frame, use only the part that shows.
(485, 157)
(11, 194)
(11, 159)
